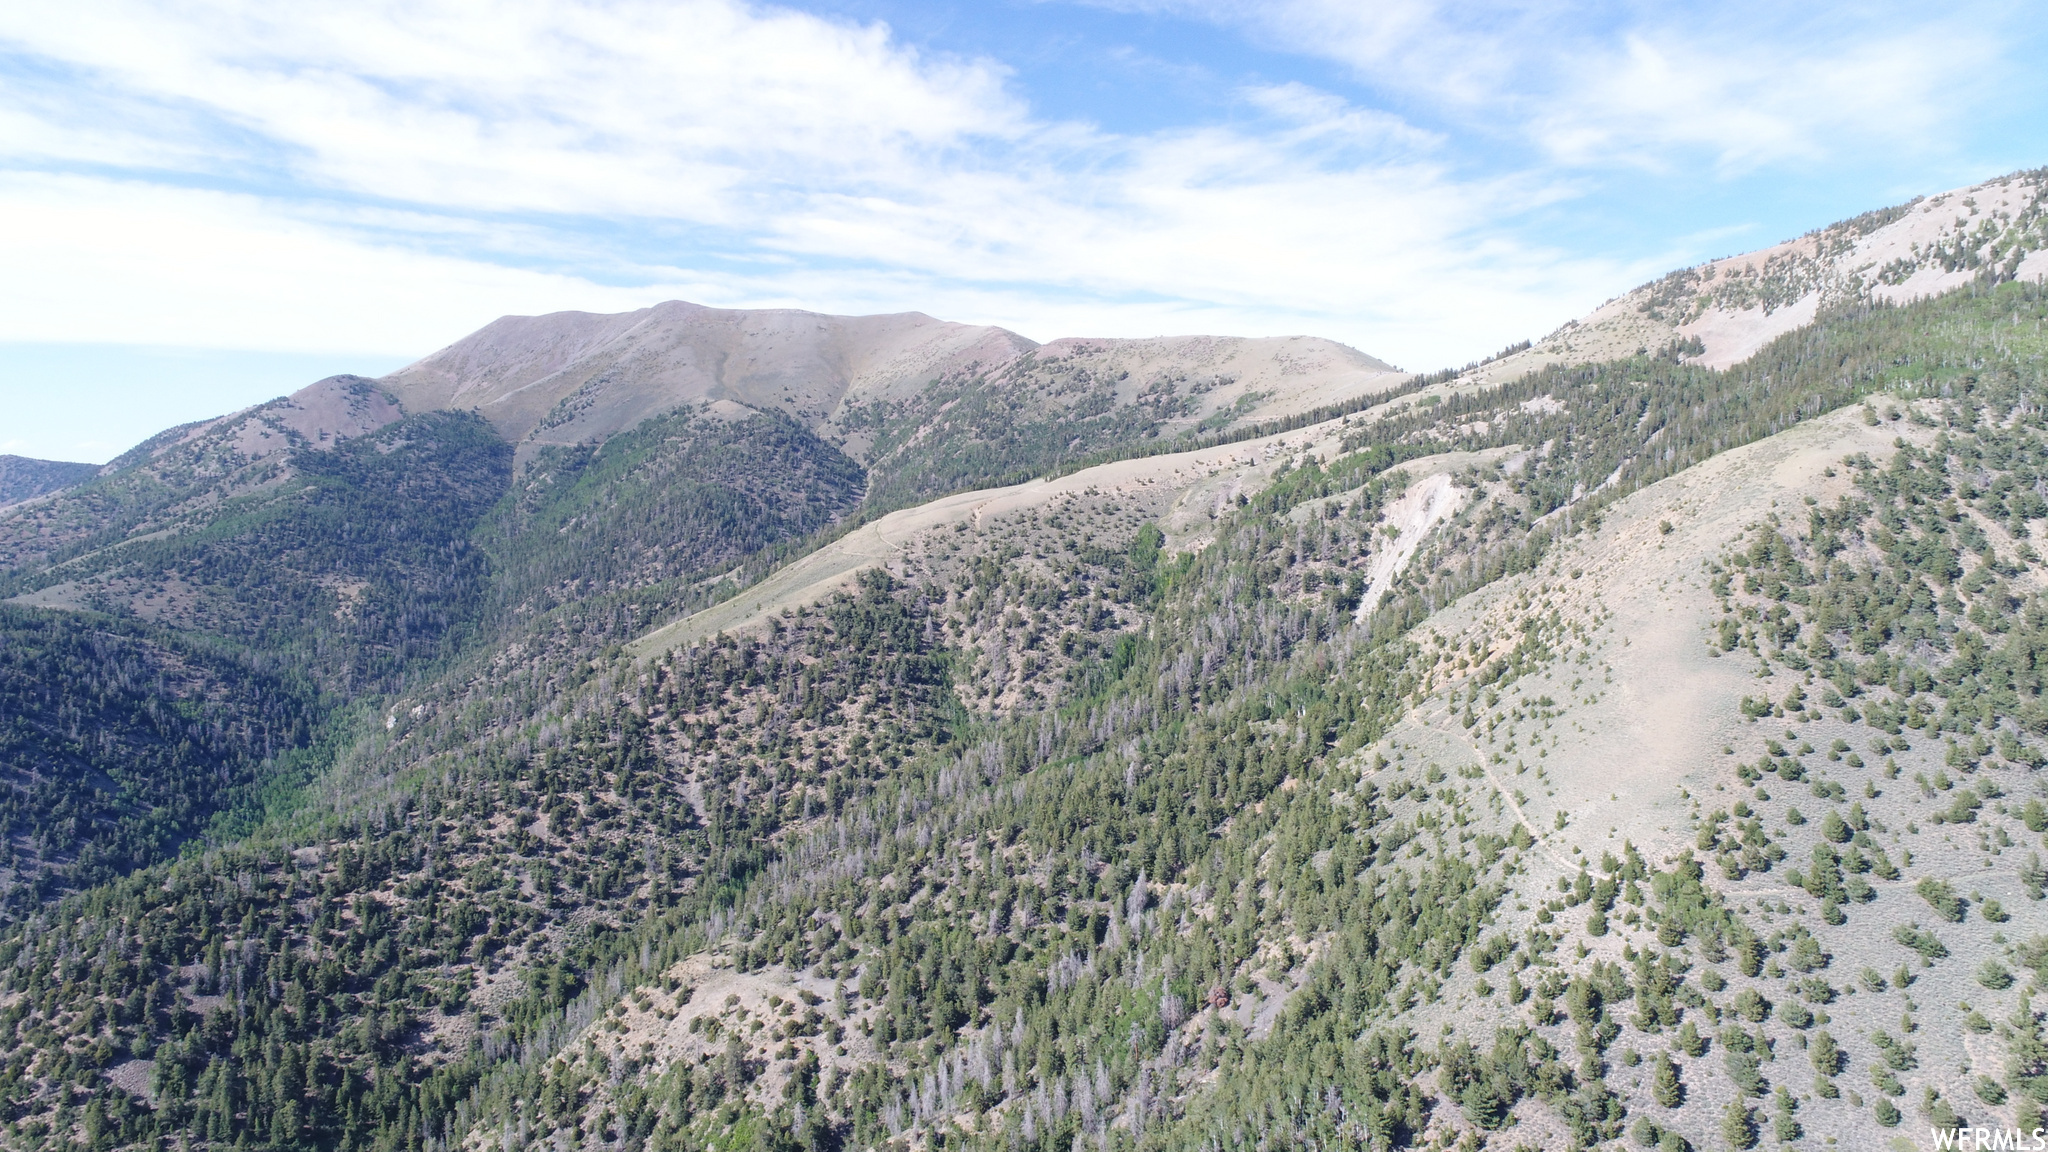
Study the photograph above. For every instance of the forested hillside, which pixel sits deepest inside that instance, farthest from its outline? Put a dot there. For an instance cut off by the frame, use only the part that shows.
(22, 478)
(121, 741)
(351, 565)
(1283, 793)
(678, 496)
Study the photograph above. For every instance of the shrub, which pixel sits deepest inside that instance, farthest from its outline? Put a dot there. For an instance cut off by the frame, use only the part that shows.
(1920, 940)
(1990, 1091)
(1994, 976)
(1941, 896)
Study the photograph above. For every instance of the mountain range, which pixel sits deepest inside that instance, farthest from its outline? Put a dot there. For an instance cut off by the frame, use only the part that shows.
(704, 728)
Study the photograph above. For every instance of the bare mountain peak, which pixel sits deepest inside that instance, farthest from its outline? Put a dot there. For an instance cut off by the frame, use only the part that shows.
(571, 377)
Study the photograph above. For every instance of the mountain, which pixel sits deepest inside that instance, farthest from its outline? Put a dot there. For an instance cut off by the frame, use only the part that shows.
(924, 405)
(23, 478)
(324, 530)
(1734, 306)
(702, 729)
(571, 377)
(191, 467)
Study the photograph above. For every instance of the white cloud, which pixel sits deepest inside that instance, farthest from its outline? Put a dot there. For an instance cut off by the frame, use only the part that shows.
(404, 168)
(1752, 104)
(93, 260)
(631, 108)
(1748, 83)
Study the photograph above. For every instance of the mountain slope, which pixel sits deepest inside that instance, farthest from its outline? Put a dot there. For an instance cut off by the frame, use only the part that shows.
(1623, 751)
(22, 478)
(347, 562)
(184, 471)
(674, 497)
(123, 742)
(1733, 306)
(1168, 488)
(1598, 1001)
(928, 407)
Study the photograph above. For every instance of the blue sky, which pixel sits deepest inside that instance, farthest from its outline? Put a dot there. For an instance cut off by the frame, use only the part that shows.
(206, 204)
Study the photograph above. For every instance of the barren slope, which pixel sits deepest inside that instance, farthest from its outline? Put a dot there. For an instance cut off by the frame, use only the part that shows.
(1737, 304)
(572, 377)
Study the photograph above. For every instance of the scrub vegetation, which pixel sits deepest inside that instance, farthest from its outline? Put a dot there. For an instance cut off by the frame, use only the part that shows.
(338, 817)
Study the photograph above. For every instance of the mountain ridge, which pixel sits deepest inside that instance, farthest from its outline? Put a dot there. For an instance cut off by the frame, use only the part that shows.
(867, 382)
(1554, 753)
(1733, 305)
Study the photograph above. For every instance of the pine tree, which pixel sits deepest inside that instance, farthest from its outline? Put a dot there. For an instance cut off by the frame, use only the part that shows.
(1783, 1126)
(1738, 1128)
(1690, 1041)
(1664, 1082)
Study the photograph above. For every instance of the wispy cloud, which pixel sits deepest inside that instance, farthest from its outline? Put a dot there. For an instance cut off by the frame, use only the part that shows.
(387, 176)
(643, 108)
(1747, 82)
(1663, 94)
(476, 155)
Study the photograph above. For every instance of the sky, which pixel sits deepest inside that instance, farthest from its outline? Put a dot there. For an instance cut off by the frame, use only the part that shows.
(209, 203)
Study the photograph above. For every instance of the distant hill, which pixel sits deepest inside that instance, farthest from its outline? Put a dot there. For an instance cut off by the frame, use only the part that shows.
(927, 405)
(24, 478)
